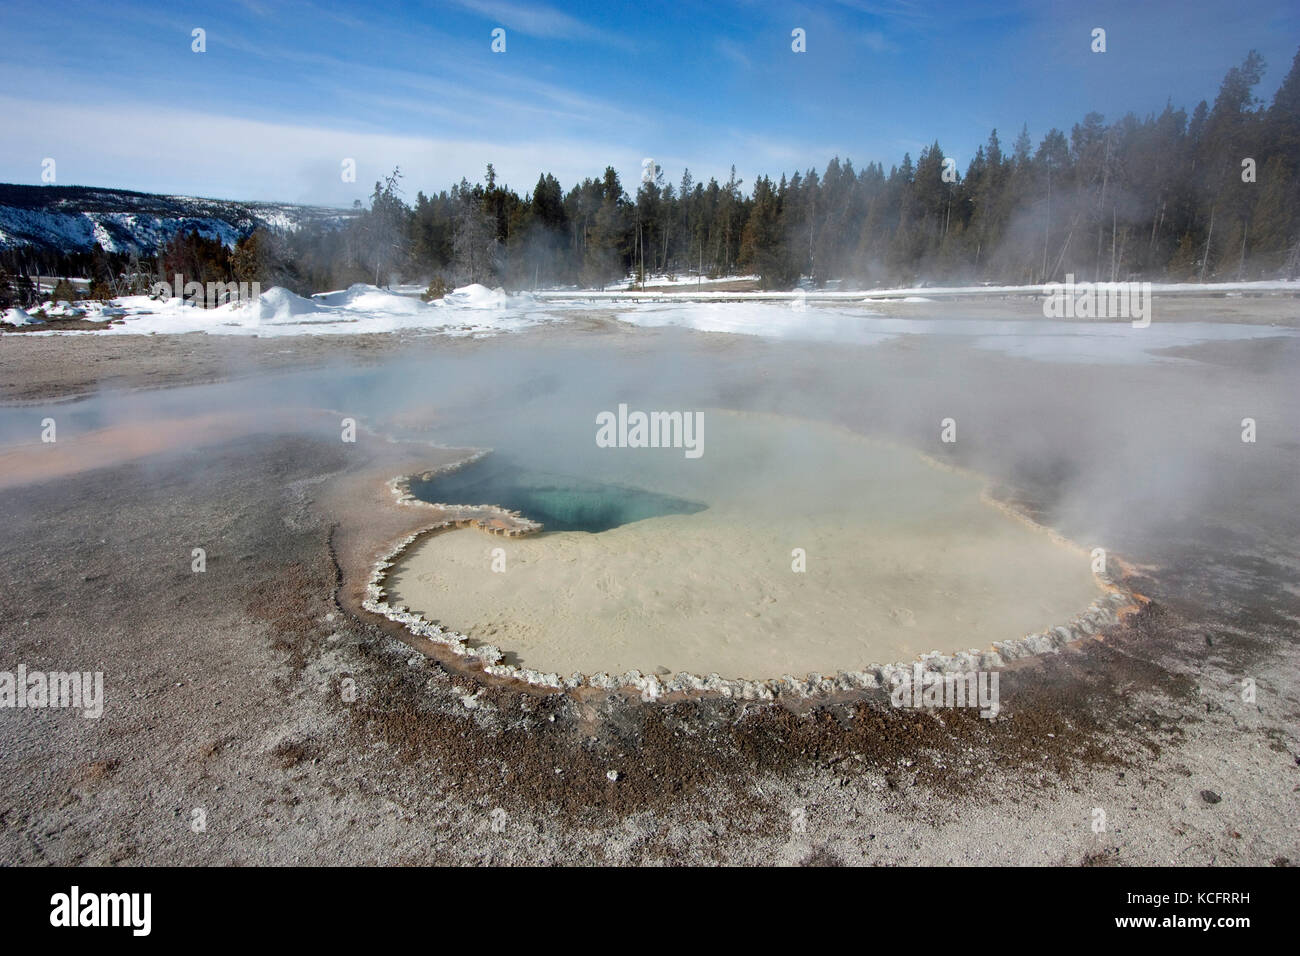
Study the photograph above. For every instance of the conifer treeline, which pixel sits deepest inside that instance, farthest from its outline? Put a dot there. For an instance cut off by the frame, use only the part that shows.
(1165, 196)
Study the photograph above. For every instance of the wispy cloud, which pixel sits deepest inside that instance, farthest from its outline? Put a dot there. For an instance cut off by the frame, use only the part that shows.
(907, 13)
(537, 20)
(207, 154)
(734, 52)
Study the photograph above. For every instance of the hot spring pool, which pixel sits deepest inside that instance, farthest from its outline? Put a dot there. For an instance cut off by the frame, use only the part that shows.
(560, 502)
(660, 564)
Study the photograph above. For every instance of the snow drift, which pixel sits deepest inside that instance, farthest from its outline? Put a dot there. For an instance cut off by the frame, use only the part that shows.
(19, 317)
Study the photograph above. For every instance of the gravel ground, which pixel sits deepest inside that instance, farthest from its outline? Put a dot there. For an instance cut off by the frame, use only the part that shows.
(229, 694)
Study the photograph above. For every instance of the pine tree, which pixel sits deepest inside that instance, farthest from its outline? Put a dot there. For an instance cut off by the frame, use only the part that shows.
(474, 236)
(384, 228)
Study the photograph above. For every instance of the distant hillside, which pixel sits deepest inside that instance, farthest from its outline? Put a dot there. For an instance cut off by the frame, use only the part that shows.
(71, 219)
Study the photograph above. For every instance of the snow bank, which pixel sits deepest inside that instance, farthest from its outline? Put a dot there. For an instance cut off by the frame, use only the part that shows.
(275, 305)
(63, 309)
(476, 296)
(19, 317)
(359, 310)
(368, 298)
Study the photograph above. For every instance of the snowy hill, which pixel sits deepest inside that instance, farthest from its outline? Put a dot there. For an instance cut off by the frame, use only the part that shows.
(76, 218)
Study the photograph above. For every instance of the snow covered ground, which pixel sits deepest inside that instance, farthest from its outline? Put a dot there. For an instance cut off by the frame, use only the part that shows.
(685, 281)
(1048, 340)
(828, 317)
(361, 309)
(912, 294)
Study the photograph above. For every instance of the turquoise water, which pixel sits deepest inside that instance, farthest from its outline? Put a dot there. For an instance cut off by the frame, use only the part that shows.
(559, 502)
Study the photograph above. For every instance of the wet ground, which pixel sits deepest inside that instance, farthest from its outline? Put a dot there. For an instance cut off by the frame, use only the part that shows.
(302, 729)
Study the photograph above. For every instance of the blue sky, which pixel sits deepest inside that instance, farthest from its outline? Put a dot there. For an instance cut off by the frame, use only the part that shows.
(287, 90)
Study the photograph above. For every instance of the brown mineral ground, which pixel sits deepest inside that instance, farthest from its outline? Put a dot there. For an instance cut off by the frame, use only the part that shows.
(224, 690)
